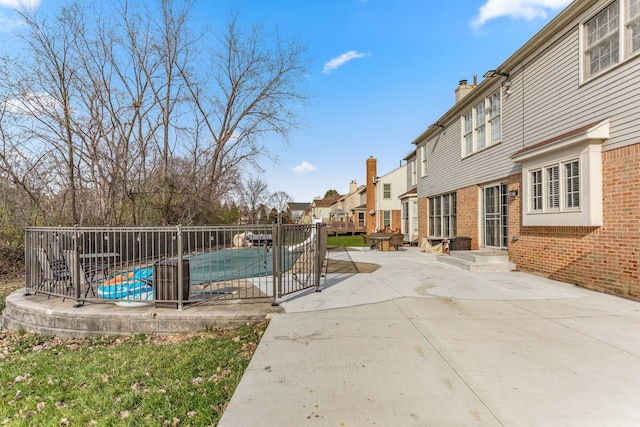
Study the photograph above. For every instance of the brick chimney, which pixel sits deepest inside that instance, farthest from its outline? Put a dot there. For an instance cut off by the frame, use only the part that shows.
(353, 186)
(372, 178)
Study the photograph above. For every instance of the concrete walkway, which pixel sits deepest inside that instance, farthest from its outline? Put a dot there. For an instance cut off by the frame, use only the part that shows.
(421, 343)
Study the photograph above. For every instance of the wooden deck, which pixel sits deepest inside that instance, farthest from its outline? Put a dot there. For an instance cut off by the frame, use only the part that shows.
(336, 228)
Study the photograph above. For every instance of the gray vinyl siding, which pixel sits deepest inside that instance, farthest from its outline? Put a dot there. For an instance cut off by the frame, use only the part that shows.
(547, 100)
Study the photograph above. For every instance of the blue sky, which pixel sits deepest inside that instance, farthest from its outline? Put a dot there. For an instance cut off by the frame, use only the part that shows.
(382, 71)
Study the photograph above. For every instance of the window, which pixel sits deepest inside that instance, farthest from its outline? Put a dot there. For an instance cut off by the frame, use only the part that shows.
(562, 179)
(386, 219)
(572, 184)
(494, 117)
(415, 219)
(482, 125)
(633, 25)
(442, 216)
(553, 187)
(480, 130)
(602, 36)
(546, 185)
(423, 156)
(536, 190)
(386, 191)
(414, 172)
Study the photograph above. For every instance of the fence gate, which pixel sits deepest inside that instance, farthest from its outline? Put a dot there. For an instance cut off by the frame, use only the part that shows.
(299, 255)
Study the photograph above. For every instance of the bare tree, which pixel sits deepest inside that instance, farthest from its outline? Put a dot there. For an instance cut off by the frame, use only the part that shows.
(129, 116)
(280, 200)
(254, 194)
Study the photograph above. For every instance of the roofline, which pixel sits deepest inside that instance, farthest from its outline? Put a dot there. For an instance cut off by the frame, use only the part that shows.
(549, 31)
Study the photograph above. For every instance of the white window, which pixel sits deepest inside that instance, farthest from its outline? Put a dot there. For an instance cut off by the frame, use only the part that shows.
(386, 191)
(633, 25)
(536, 190)
(415, 218)
(423, 157)
(386, 219)
(546, 186)
(553, 187)
(572, 184)
(562, 179)
(494, 118)
(482, 126)
(414, 172)
(603, 45)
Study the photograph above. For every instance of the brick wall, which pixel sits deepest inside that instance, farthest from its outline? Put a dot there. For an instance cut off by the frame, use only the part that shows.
(423, 219)
(601, 258)
(468, 214)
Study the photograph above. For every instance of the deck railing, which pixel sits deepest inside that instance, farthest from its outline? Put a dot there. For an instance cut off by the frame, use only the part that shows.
(173, 266)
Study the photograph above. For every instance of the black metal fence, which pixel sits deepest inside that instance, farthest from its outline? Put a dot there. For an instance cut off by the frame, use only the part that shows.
(173, 266)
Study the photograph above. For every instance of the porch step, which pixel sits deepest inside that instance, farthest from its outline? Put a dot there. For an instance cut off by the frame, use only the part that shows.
(488, 261)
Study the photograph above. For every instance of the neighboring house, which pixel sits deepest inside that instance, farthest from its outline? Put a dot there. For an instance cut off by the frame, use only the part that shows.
(384, 208)
(542, 158)
(345, 217)
(321, 208)
(296, 211)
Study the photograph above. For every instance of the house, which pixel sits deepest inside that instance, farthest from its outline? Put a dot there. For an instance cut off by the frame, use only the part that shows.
(345, 212)
(542, 157)
(296, 211)
(321, 208)
(383, 205)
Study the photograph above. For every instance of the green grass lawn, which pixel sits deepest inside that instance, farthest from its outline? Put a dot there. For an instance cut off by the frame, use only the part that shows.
(141, 380)
(345, 241)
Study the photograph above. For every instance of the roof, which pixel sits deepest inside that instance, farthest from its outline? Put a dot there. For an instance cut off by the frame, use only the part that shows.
(326, 202)
(409, 193)
(592, 131)
(297, 206)
(558, 26)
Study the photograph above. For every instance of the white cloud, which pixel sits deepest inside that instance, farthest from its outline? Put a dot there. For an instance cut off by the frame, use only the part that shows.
(30, 103)
(303, 167)
(8, 23)
(18, 4)
(341, 60)
(517, 9)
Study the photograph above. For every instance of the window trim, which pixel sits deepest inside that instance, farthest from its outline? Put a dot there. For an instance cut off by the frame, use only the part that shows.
(539, 191)
(624, 37)
(471, 128)
(384, 191)
(424, 157)
(584, 144)
(436, 216)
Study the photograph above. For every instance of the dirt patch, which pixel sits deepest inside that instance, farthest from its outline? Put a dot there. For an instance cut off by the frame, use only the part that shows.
(348, 266)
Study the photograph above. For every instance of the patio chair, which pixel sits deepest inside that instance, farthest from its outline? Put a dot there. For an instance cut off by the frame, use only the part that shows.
(53, 271)
(396, 241)
(79, 277)
(369, 242)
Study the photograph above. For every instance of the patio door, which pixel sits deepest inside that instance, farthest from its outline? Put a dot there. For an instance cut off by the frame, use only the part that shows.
(496, 209)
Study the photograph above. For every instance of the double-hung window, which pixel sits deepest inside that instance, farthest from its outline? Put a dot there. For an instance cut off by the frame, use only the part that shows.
(611, 36)
(549, 192)
(386, 219)
(423, 156)
(482, 125)
(414, 172)
(633, 25)
(386, 191)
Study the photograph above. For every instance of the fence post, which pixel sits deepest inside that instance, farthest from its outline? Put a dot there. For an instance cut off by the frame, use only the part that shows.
(76, 273)
(180, 272)
(276, 251)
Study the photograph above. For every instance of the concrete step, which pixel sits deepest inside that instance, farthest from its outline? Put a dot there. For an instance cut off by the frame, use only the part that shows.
(488, 261)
